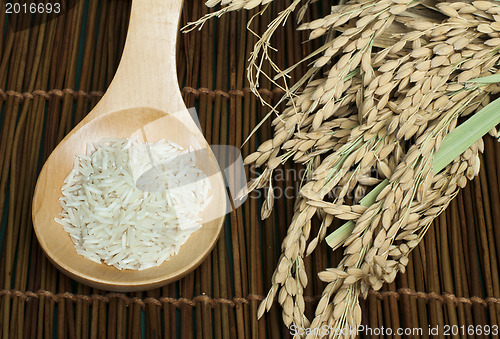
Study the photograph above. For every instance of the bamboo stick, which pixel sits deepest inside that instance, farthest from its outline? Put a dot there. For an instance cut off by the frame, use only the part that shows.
(481, 203)
(409, 305)
(221, 244)
(268, 225)
(41, 303)
(478, 311)
(112, 57)
(95, 318)
(204, 100)
(264, 134)
(205, 111)
(240, 327)
(380, 315)
(193, 57)
(386, 311)
(420, 286)
(130, 320)
(372, 313)
(446, 270)
(101, 327)
(455, 254)
(217, 324)
(205, 307)
(465, 250)
(198, 319)
(112, 318)
(122, 319)
(173, 312)
(489, 183)
(99, 75)
(124, 15)
(3, 17)
(71, 50)
(219, 104)
(166, 314)
(152, 316)
(70, 322)
(231, 313)
(31, 323)
(180, 54)
(394, 309)
(250, 207)
(249, 121)
(61, 307)
(436, 311)
(497, 170)
(56, 77)
(252, 244)
(464, 243)
(50, 311)
(87, 61)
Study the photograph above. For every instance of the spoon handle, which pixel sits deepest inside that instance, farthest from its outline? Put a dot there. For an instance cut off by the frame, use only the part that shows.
(146, 75)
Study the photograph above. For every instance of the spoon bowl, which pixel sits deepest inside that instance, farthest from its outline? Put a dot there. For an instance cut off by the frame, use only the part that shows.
(143, 96)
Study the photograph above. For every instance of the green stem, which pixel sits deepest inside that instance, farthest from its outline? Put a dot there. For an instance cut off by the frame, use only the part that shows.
(454, 144)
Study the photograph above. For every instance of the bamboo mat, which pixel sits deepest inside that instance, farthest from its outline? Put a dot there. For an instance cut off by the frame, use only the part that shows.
(53, 74)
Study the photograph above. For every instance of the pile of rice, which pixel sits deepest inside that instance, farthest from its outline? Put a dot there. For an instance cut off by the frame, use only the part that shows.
(110, 220)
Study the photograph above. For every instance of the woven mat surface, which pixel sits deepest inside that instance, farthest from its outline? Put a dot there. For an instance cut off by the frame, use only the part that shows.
(53, 74)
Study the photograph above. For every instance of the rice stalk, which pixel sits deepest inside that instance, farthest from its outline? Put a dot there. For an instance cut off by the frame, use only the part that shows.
(371, 112)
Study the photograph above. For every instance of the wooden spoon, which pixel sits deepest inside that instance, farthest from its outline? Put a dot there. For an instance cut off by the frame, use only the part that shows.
(143, 96)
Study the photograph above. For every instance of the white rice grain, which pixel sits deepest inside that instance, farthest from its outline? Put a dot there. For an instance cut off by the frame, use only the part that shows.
(110, 220)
